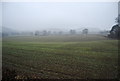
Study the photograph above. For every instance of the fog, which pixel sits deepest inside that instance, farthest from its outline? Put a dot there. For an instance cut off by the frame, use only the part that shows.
(0, 16)
(32, 16)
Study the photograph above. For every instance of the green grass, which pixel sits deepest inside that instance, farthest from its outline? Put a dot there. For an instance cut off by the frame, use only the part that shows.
(91, 56)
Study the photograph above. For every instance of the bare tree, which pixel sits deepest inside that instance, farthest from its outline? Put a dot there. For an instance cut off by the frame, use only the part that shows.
(85, 31)
(36, 33)
(44, 33)
(72, 32)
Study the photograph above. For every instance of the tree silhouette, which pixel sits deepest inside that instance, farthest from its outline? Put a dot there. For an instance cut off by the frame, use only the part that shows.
(72, 32)
(115, 32)
(36, 33)
(85, 31)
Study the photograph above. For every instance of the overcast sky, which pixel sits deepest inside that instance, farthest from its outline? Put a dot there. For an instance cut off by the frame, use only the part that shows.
(51, 15)
(0, 15)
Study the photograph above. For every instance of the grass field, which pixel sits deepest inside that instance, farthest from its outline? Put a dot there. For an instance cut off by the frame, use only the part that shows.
(61, 57)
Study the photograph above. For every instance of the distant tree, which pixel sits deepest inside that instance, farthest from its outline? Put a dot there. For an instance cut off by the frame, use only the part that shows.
(44, 32)
(85, 31)
(36, 33)
(72, 32)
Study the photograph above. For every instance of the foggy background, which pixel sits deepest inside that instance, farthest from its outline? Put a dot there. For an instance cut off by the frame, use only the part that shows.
(0, 17)
(62, 16)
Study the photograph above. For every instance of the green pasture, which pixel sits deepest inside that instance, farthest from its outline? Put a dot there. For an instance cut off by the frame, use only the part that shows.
(61, 57)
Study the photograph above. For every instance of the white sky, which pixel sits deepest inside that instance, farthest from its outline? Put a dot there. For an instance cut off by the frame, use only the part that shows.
(59, 0)
(61, 15)
(0, 17)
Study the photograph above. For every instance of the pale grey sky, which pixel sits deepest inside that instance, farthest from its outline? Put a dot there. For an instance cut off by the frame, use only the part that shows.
(61, 15)
(0, 14)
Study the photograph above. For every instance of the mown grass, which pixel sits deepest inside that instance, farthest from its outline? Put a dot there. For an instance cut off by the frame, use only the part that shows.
(96, 57)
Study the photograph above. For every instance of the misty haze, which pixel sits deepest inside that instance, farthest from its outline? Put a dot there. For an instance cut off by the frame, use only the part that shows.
(60, 40)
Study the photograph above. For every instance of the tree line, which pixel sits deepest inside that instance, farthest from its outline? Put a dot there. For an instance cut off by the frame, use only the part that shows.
(71, 32)
(44, 33)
